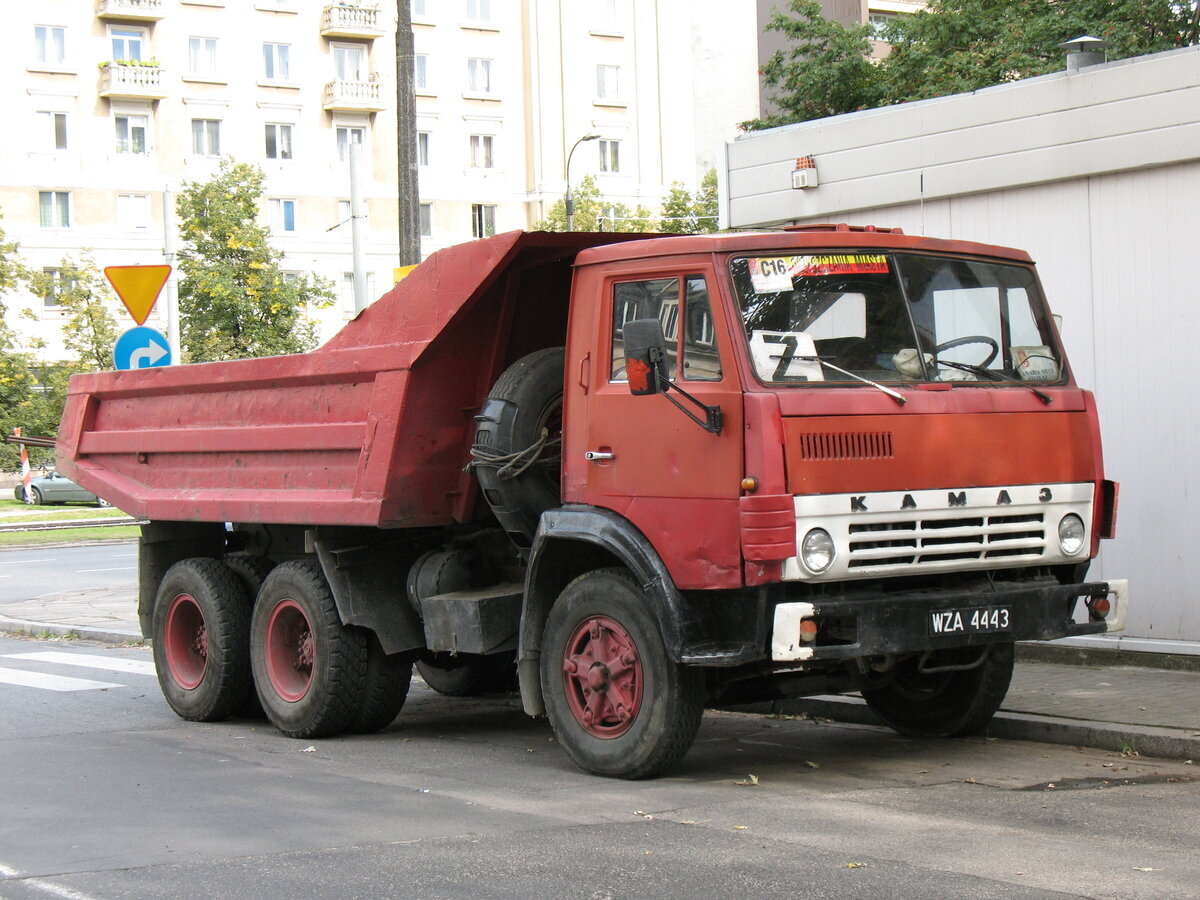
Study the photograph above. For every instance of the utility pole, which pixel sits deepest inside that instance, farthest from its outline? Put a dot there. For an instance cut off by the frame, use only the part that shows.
(358, 227)
(406, 140)
(172, 290)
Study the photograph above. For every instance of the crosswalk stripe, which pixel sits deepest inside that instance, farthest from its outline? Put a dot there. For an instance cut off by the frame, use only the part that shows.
(88, 661)
(41, 680)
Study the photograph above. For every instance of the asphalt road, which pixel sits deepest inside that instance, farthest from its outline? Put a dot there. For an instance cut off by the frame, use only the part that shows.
(25, 574)
(106, 794)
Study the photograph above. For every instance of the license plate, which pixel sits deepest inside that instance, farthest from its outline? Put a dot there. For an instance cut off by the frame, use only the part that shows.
(973, 620)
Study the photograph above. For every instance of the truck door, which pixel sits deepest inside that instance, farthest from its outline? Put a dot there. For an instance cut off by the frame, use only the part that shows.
(646, 459)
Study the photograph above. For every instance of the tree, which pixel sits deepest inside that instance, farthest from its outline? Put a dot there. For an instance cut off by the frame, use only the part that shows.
(688, 213)
(953, 46)
(90, 328)
(234, 299)
(593, 212)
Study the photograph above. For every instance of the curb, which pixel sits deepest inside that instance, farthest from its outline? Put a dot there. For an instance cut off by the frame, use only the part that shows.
(100, 635)
(1145, 740)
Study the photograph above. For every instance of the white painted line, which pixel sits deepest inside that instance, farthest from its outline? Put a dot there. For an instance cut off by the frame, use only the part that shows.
(109, 569)
(25, 562)
(21, 678)
(89, 661)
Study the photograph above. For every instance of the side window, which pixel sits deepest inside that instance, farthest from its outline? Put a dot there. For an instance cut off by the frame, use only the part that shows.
(700, 359)
(655, 299)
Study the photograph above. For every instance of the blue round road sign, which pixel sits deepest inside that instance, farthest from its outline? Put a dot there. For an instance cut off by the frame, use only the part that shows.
(141, 348)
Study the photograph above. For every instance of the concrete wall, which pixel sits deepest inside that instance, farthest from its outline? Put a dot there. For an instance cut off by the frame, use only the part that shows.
(1097, 175)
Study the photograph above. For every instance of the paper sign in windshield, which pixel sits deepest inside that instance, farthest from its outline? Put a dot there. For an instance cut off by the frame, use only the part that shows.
(774, 274)
(785, 356)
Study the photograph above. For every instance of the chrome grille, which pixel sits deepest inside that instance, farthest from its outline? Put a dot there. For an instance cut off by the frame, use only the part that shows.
(918, 540)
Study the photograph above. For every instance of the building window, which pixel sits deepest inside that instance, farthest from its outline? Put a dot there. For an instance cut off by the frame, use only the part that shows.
(479, 75)
(348, 62)
(206, 137)
(127, 43)
(50, 44)
(483, 220)
(610, 156)
(608, 82)
(418, 8)
(53, 131)
(426, 220)
(283, 214)
(606, 12)
(421, 71)
(54, 209)
(346, 134)
(279, 141)
(346, 292)
(879, 21)
(275, 61)
(481, 151)
(133, 212)
(202, 56)
(343, 212)
(422, 148)
(131, 133)
(55, 286)
(479, 10)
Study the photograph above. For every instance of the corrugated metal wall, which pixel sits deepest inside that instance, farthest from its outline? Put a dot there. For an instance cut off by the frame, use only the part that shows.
(1119, 255)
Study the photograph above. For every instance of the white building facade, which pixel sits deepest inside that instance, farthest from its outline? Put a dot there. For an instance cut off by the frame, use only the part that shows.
(118, 102)
(1096, 173)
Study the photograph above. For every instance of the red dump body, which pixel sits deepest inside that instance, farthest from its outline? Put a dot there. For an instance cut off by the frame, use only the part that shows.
(372, 429)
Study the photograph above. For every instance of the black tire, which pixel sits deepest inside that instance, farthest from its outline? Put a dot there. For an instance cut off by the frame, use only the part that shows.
(201, 628)
(34, 498)
(466, 675)
(251, 571)
(523, 407)
(944, 704)
(309, 668)
(385, 688)
(605, 612)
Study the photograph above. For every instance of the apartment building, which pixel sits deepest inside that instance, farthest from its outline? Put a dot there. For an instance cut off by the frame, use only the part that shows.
(116, 104)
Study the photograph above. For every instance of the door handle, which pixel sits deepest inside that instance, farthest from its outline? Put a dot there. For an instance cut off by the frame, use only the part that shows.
(595, 455)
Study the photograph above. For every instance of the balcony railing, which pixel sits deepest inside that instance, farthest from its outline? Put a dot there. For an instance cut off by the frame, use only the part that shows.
(363, 96)
(352, 20)
(140, 10)
(141, 82)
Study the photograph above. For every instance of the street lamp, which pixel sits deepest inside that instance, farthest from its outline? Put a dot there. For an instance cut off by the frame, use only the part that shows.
(570, 203)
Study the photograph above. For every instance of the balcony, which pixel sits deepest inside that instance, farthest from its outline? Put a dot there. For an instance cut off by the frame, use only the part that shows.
(131, 82)
(352, 20)
(354, 96)
(131, 10)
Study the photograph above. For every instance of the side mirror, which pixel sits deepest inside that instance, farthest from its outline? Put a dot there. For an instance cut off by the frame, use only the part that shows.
(645, 357)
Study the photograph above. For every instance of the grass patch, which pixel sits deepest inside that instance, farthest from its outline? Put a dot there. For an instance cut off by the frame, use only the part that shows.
(69, 535)
(57, 514)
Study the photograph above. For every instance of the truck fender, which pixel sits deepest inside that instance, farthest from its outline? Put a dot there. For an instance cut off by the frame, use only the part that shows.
(571, 541)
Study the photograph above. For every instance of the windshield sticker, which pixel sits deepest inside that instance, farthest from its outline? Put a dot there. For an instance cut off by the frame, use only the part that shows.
(785, 356)
(1035, 363)
(774, 274)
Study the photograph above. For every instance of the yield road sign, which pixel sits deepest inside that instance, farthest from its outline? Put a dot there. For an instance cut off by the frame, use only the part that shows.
(138, 287)
(141, 348)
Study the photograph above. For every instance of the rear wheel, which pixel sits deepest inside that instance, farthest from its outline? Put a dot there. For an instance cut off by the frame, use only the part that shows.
(385, 688)
(620, 706)
(201, 630)
(309, 668)
(251, 571)
(924, 702)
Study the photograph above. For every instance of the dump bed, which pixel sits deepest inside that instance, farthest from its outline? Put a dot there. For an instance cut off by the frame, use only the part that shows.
(373, 428)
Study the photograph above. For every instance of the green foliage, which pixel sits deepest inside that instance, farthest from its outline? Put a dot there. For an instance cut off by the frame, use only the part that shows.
(951, 47)
(234, 300)
(688, 213)
(90, 327)
(593, 213)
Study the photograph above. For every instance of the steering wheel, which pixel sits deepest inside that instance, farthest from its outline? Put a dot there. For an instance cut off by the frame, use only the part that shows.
(969, 339)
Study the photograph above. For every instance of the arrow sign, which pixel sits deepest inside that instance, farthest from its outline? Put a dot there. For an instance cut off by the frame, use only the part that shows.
(141, 348)
(138, 287)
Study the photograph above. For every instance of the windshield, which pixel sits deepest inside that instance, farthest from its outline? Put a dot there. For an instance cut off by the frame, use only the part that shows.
(893, 317)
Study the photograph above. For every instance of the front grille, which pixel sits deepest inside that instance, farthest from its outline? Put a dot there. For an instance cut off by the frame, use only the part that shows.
(930, 540)
(846, 445)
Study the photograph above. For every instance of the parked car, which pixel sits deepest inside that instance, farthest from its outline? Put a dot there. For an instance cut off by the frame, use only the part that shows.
(56, 488)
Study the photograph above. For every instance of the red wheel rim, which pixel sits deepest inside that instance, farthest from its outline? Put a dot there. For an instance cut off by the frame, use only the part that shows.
(186, 640)
(291, 649)
(602, 674)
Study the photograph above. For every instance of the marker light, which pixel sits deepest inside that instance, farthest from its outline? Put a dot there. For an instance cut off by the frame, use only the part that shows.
(749, 484)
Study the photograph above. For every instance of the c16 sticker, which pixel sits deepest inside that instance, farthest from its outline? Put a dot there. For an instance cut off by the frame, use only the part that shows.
(774, 274)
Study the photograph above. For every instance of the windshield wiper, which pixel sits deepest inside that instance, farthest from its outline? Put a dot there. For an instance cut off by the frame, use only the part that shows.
(993, 375)
(899, 398)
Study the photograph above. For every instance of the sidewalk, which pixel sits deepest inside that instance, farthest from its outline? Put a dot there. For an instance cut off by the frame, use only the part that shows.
(1151, 711)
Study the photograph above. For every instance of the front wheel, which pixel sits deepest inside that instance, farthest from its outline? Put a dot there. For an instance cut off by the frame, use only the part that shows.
(924, 702)
(34, 497)
(309, 668)
(619, 704)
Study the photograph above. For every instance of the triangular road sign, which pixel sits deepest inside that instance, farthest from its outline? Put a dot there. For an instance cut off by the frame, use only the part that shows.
(138, 287)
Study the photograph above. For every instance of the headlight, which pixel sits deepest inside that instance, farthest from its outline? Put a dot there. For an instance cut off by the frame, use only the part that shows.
(816, 550)
(1071, 534)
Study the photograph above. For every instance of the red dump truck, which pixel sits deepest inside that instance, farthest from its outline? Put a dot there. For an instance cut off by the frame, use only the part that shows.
(645, 474)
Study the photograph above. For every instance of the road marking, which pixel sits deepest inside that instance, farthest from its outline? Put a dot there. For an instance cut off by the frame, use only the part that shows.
(89, 661)
(25, 562)
(44, 682)
(109, 569)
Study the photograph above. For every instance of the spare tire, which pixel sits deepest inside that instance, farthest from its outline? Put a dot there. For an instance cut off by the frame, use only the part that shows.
(518, 443)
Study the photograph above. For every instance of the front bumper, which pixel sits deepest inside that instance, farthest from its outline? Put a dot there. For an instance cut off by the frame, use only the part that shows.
(879, 624)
